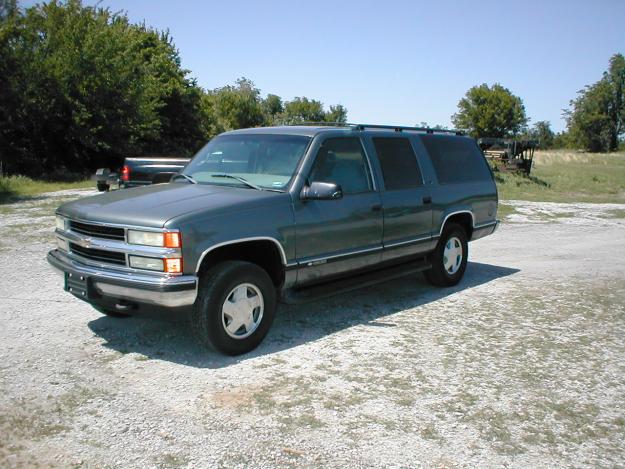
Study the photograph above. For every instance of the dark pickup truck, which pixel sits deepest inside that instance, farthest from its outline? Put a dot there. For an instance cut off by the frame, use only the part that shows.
(279, 214)
(141, 171)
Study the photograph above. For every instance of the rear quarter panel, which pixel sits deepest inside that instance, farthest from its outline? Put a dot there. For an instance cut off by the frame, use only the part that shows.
(477, 197)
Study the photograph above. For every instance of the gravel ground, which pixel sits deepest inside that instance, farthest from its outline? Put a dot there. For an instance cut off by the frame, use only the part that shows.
(521, 365)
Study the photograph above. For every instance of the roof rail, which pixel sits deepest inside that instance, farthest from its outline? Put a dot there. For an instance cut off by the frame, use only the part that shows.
(320, 124)
(396, 128)
(401, 128)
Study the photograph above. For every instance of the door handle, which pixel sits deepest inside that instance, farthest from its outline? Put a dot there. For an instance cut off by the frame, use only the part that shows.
(427, 200)
(376, 207)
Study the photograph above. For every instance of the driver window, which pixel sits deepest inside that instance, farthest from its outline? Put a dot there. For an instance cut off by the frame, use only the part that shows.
(343, 162)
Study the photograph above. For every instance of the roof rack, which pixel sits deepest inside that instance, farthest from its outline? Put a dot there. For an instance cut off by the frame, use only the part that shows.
(401, 128)
(320, 124)
(396, 128)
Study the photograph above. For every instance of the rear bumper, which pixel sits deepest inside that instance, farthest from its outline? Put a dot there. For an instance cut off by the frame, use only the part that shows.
(101, 283)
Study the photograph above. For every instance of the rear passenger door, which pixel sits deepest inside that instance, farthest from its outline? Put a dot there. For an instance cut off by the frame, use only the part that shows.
(406, 201)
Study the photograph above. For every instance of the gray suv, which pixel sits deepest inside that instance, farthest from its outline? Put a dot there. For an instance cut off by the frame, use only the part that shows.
(275, 214)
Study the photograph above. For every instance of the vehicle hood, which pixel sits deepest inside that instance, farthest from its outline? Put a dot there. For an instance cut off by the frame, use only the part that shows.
(153, 206)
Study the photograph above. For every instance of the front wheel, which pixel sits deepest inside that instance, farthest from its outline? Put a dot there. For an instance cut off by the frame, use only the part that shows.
(449, 259)
(235, 307)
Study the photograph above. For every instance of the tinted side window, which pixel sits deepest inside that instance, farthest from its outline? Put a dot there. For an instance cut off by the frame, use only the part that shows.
(399, 163)
(456, 159)
(342, 161)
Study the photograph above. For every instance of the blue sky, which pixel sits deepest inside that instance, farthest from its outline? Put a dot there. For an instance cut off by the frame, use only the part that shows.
(394, 62)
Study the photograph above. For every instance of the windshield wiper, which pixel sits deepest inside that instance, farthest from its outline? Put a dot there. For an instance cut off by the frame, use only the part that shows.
(238, 178)
(188, 178)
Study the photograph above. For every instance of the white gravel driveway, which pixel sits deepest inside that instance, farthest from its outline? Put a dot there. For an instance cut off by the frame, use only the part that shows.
(521, 365)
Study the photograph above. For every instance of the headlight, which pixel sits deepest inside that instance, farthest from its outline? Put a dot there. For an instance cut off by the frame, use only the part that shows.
(151, 238)
(61, 223)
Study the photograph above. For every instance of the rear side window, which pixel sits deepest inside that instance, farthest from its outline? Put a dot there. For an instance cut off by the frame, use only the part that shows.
(399, 163)
(456, 159)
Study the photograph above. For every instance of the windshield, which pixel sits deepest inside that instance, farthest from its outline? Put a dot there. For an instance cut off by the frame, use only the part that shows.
(265, 161)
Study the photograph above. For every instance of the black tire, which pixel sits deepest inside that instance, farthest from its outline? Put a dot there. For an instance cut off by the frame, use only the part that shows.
(111, 312)
(217, 285)
(103, 187)
(438, 275)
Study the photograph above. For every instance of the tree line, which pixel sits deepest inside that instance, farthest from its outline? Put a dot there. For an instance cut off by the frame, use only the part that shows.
(595, 118)
(82, 87)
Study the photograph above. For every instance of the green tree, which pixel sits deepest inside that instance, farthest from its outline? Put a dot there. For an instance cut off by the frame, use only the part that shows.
(336, 114)
(425, 125)
(541, 131)
(303, 110)
(8, 8)
(272, 107)
(236, 107)
(562, 140)
(596, 118)
(490, 112)
(82, 87)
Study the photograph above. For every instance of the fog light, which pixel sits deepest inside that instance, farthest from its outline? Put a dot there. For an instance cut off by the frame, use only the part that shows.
(148, 263)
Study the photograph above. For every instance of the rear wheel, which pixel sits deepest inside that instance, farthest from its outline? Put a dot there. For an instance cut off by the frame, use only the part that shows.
(449, 259)
(235, 307)
(103, 187)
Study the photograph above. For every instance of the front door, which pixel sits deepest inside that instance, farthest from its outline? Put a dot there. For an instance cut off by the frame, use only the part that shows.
(339, 235)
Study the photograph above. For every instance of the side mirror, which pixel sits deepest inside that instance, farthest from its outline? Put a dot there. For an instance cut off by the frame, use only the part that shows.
(321, 191)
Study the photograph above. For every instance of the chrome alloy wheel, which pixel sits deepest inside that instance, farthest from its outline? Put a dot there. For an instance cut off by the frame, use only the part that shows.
(242, 312)
(452, 255)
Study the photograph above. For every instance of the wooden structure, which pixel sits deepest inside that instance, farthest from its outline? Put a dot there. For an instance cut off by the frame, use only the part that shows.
(509, 154)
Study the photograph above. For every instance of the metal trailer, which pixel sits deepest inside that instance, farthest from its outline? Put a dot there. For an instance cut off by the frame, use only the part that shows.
(509, 154)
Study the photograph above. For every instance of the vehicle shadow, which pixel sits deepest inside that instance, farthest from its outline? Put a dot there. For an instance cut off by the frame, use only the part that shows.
(293, 325)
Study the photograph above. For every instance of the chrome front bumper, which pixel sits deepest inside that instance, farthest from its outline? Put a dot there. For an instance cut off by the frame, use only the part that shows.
(167, 291)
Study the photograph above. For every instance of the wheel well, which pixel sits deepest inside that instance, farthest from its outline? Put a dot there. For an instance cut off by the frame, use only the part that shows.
(263, 253)
(465, 220)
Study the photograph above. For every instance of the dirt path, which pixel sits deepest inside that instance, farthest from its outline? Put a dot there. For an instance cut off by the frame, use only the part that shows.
(521, 365)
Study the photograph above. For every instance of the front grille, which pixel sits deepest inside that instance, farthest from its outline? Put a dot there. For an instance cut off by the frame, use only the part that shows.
(98, 255)
(97, 231)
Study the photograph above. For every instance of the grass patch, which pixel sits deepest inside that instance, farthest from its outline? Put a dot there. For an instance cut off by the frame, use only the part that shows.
(561, 176)
(504, 210)
(617, 213)
(17, 187)
(172, 460)
(429, 432)
(23, 421)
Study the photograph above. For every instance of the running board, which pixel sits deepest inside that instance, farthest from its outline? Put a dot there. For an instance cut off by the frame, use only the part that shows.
(336, 287)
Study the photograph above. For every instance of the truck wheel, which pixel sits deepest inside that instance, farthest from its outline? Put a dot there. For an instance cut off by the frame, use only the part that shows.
(111, 312)
(449, 259)
(103, 187)
(235, 307)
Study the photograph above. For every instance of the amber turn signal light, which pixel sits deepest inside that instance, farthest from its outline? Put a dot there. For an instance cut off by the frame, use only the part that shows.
(173, 266)
(172, 240)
